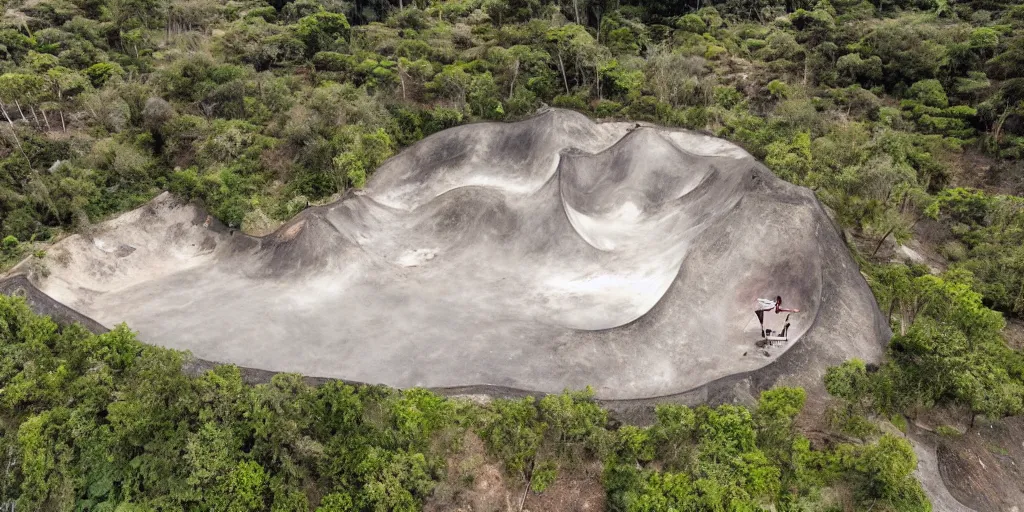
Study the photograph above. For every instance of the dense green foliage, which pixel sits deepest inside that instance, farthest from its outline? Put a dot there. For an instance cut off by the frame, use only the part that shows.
(89, 422)
(104, 422)
(947, 349)
(255, 109)
(988, 241)
(731, 458)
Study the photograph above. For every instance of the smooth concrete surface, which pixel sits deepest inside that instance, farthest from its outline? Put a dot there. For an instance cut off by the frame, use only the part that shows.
(550, 253)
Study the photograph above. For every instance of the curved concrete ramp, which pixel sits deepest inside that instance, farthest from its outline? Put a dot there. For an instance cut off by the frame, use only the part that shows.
(550, 253)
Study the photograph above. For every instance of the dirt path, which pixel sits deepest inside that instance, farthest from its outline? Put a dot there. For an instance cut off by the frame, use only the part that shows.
(928, 474)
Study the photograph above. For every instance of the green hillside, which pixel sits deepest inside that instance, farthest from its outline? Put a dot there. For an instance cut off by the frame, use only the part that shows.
(905, 117)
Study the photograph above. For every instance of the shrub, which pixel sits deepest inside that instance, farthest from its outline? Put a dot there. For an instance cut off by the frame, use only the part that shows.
(543, 476)
(9, 245)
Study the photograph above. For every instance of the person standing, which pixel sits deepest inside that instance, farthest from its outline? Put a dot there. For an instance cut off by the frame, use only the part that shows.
(770, 305)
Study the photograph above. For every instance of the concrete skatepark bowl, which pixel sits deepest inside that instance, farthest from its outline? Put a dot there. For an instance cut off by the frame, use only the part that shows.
(550, 253)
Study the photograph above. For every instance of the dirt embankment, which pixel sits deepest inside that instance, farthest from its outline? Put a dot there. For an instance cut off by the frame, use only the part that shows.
(476, 482)
(984, 468)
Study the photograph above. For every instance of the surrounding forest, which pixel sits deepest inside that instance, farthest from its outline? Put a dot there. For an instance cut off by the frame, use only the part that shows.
(906, 117)
(108, 423)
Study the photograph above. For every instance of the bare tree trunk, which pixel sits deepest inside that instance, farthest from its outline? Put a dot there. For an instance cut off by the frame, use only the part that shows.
(95, 115)
(15, 134)
(561, 66)
(576, 9)
(4, 110)
(20, 111)
(36, 116)
(879, 246)
(904, 314)
(528, 476)
(46, 119)
(515, 75)
(60, 105)
(999, 124)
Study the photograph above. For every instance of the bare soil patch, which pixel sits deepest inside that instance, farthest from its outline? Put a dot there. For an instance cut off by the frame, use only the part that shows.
(476, 482)
(983, 468)
(989, 174)
(575, 490)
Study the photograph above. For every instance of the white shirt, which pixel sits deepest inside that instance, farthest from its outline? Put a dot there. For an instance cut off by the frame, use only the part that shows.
(763, 304)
